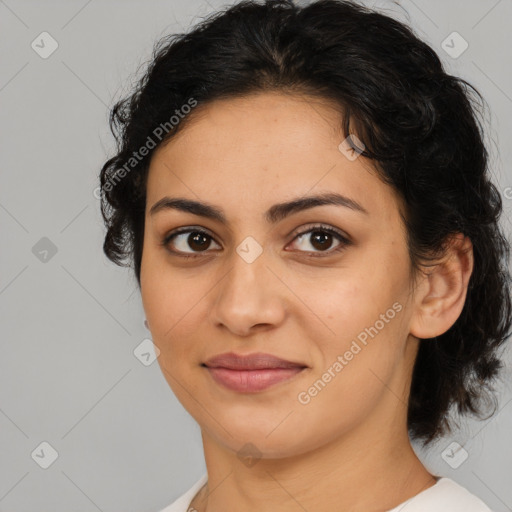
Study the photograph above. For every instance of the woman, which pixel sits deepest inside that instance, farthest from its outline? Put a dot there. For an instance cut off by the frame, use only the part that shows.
(303, 194)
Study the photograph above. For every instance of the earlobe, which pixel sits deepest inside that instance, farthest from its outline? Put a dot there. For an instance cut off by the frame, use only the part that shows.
(441, 294)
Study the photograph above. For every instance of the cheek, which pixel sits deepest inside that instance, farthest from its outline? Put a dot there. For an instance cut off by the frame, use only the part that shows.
(355, 368)
(357, 331)
(175, 304)
(159, 293)
(170, 307)
(337, 306)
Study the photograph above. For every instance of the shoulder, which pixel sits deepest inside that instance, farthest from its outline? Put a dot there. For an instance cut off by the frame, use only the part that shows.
(182, 504)
(445, 496)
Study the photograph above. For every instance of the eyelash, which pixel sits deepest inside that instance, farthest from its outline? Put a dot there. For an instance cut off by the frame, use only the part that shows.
(344, 241)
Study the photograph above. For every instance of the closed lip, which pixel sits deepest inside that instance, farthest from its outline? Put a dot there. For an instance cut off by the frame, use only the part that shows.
(257, 361)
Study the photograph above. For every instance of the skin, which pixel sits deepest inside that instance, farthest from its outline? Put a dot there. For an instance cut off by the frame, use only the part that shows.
(244, 155)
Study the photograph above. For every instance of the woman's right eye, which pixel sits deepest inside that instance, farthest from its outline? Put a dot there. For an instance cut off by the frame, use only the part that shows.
(185, 239)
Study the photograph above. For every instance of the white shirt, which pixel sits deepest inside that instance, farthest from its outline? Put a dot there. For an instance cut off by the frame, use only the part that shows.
(445, 495)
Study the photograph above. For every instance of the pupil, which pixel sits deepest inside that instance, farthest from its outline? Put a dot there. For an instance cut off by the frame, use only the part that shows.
(199, 240)
(322, 239)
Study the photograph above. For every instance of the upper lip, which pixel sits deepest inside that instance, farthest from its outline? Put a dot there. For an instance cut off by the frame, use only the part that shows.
(255, 361)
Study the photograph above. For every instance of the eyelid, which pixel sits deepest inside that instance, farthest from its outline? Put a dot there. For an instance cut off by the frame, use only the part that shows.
(321, 227)
(344, 239)
(185, 229)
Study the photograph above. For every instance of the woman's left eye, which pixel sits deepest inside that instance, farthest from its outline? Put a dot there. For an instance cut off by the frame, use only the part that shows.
(319, 237)
(322, 238)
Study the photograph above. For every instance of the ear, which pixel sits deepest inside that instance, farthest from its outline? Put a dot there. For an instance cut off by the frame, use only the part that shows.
(441, 291)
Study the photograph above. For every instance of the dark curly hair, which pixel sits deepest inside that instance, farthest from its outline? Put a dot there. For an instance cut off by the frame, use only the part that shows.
(418, 124)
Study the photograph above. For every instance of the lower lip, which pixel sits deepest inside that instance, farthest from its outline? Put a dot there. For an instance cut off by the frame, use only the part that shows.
(250, 381)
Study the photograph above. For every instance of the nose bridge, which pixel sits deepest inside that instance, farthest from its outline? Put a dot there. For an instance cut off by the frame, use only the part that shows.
(249, 293)
(248, 275)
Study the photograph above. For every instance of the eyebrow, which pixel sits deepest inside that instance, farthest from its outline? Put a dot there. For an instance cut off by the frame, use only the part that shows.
(274, 214)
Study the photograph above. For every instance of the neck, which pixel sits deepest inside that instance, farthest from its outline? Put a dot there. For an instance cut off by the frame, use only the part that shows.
(347, 474)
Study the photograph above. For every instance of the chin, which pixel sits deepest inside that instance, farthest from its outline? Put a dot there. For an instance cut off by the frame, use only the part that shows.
(270, 443)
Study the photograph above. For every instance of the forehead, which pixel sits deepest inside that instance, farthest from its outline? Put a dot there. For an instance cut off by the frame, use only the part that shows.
(249, 123)
(262, 148)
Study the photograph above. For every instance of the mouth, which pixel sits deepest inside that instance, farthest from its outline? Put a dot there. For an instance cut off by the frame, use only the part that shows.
(251, 373)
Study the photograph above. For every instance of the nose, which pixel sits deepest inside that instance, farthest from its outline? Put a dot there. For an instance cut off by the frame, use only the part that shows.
(249, 297)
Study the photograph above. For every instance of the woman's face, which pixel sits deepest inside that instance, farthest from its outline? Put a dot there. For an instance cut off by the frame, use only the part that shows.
(271, 280)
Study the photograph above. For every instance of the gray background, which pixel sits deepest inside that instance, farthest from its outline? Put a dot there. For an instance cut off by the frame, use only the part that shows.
(72, 320)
